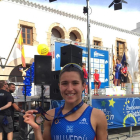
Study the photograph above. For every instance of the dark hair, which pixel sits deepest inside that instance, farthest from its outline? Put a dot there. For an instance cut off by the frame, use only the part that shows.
(70, 68)
(118, 59)
(2, 82)
(125, 63)
(83, 64)
(10, 84)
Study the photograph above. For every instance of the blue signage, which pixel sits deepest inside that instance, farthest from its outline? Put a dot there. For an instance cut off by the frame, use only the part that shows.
(120, 112)
(99, 61)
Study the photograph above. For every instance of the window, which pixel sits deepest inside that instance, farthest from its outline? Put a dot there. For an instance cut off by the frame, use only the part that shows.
(120, 49)
(56, 33)
(97, 43)
(73, 36)
(27, 34)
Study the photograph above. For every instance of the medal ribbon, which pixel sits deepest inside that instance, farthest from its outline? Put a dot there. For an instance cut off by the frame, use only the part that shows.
(70, 112)
(42, 113)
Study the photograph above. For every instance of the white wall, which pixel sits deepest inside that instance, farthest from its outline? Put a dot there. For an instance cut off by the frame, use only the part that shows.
(12, 12)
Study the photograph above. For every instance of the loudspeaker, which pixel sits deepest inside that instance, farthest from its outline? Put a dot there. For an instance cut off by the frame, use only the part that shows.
(52, 0)
(54, 88)
(118, 6)
(42, 70)
(71, 54)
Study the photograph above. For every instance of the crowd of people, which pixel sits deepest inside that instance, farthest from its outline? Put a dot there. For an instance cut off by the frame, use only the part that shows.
(7, 107)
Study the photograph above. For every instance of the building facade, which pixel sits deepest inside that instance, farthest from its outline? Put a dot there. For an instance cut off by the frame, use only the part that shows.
(39, 23)
(137, 30)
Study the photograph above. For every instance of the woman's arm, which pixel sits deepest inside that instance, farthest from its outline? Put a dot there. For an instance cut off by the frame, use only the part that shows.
(99, 124)
(30, 119)
(47, 125)
(122, 72)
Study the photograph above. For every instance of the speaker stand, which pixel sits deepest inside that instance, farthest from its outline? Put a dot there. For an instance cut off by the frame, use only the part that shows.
(42, 96)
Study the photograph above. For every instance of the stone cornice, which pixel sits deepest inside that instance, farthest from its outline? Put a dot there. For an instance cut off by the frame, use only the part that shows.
(62, 13)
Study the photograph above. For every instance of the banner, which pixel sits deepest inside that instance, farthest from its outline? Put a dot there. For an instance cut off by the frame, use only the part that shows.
(119, 112)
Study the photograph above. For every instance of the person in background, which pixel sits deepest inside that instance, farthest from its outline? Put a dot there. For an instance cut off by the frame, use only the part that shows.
(124, 74)
(6, 122)
(96, 82)
(75, 119)
(11, 89)
(77, 40)
(85, 77)
(117, 72)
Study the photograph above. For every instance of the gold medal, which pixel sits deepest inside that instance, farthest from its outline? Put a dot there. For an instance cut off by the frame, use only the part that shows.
(39, 119)
(56, 121)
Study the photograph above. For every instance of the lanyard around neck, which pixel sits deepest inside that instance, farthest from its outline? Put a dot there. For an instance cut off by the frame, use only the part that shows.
(42, 113)
(70, 112)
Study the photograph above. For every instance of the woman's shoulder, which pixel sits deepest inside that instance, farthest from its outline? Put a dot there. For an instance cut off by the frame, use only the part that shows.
(51, 113)
(98, 118)
(98, 114)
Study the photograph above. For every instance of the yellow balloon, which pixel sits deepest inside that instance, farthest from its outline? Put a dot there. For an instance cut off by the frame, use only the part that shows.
(43, 49)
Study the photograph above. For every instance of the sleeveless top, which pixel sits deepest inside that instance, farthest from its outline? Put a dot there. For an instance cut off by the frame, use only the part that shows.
(118, 68)
(124, 69)
(80, 129)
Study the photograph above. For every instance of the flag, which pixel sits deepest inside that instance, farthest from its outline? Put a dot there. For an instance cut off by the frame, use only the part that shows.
(99, 84)
(123, 59)
(113, 73)
(113, 62)
(21, 48)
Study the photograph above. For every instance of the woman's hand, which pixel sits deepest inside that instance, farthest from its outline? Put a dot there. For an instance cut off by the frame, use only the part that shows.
(29, 118)
(125, 75)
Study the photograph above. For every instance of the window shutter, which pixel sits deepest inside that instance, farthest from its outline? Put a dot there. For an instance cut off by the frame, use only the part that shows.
(121, 49)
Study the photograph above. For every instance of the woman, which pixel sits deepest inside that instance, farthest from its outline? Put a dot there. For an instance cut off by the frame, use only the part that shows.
(117, 72)
(83, 122)
(85, 77)
(124, 74)
(96, 82)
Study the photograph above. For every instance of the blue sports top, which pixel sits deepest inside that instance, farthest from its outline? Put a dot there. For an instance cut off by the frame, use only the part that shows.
(80, 129)
(118, 67)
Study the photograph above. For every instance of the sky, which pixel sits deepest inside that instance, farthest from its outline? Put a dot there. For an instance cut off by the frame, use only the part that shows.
(125, 18)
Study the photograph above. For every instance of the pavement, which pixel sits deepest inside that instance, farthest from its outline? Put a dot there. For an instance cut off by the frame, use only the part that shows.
(123, 134)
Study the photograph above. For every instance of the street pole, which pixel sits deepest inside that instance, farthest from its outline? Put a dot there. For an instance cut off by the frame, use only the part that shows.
(89, 54)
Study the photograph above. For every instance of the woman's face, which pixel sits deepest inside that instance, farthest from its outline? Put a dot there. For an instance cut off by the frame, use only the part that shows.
(96, 71)
(71, 86)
